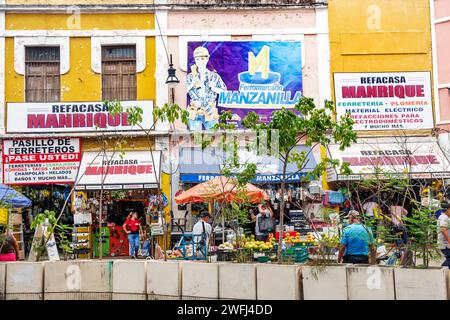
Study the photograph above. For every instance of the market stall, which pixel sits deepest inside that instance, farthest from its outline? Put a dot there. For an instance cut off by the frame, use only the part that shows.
(11, 205)
(218, 190)
(110, 186)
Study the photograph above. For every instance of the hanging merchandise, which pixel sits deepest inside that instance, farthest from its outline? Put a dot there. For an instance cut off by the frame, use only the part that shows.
(336, 197)
(333, 198)
(153, 200)
(164, 200)
(314, 187)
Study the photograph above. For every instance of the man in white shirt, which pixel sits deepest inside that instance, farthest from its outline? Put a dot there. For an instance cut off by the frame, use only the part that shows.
(443, 225)
(200, 234)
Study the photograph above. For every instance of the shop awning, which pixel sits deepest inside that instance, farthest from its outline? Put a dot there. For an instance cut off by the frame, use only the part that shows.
(400, 157)
(10, 197)
(197, 165)
(220, 189)
(131, 170)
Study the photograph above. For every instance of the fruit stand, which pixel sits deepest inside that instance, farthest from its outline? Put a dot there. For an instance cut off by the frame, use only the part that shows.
(296, 248)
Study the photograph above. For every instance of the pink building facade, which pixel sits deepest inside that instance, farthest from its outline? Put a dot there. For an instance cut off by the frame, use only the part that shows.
(301, 21)
(440, 15)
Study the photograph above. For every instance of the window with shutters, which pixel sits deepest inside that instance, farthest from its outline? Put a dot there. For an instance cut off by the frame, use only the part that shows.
(42, 74)
(119, 73)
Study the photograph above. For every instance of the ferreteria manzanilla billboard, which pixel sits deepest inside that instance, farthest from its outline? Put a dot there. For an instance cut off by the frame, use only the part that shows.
(385, 101)
(241, 76)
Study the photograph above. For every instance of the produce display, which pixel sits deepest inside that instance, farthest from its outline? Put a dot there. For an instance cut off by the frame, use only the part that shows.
(296, 248)
(329, 241)
(309, 241)
(257, 246)
(226, 246)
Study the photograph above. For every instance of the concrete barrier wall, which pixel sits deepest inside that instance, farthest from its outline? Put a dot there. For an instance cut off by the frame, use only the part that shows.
(324, 283)
(97, 278)
(62, 280)
(24, 281)
(448, 284)
(237, 281)
(121, 279)
(2, 281)
(200, 280)
(278, 282)
(370, 283)
(129, 280)
(163, 280)
(420, 284)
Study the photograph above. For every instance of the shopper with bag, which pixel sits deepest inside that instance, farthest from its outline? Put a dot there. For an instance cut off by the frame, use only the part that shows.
(264, 223)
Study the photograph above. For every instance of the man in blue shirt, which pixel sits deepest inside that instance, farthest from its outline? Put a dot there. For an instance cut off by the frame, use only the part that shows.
(356, 241)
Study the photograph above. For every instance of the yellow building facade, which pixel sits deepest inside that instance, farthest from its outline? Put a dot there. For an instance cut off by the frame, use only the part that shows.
(81, 33)
(377, 36)
(381, 71)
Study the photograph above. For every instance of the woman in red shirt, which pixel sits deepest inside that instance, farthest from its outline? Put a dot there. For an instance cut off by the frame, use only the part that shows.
(133, 228)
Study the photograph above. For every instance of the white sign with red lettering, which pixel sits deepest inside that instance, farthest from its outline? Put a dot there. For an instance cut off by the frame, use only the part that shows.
(74, 117)
(385, 101)
(41, 161)
(137, 168)
(419, 159)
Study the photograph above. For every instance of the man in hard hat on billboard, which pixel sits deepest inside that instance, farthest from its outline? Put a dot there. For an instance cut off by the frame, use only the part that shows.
(203, 87)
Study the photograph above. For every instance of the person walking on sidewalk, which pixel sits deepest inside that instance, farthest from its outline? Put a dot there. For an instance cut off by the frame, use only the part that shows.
(133, 228)
(356, 241)
(443, 225)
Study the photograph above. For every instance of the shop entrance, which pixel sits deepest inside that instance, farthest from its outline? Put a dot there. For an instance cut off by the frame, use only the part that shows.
(117, 206)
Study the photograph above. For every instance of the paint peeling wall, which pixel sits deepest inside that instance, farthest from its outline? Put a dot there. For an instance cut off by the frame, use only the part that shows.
(70, 2)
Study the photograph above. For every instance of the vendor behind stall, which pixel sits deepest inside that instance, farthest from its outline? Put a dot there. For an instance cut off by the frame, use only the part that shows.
(264, 222)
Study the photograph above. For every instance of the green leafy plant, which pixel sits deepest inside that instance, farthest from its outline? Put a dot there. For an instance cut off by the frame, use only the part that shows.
(305, 124)
(422, 235)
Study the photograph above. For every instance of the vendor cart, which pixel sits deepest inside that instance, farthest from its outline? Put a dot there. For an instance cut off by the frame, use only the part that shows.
(190, 249)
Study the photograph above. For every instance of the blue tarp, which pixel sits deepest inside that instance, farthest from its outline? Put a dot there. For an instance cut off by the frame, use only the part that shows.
(10, 197)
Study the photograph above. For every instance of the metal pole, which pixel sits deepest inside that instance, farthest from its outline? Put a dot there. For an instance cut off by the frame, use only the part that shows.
(223, 226)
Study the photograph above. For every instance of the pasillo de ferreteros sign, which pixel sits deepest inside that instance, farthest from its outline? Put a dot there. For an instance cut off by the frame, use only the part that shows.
(41, 161)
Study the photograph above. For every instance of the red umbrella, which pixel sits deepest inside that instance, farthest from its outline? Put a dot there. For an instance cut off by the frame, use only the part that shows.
(221, 189)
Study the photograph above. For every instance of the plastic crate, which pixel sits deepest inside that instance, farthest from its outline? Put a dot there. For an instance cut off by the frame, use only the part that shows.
(296, 254)
(225, 255)
(263, 259)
